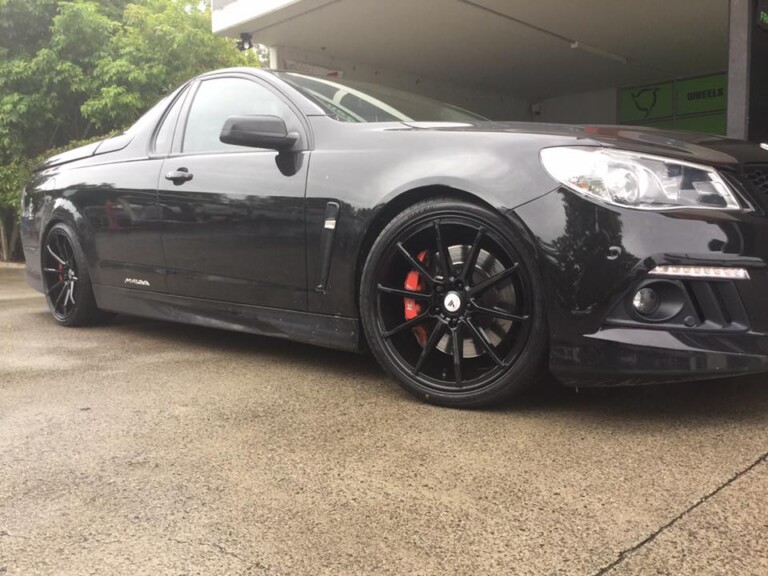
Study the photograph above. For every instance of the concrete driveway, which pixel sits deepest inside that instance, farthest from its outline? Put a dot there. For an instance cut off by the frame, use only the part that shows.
(151, 448)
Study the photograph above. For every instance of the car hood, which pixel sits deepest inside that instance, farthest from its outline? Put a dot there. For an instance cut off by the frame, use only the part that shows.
(691, 146)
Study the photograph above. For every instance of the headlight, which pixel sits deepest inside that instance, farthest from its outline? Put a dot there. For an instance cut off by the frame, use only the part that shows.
(638, 180)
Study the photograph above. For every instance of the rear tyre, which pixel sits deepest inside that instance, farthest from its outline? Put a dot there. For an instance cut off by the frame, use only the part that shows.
(66, 281)
(452, 305)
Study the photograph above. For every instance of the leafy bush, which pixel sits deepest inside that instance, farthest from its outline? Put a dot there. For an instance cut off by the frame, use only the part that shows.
(71, 70)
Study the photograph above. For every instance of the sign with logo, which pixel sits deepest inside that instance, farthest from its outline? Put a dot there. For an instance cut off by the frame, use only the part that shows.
(699, 95)
(708, 123)
(646, 103)
(762, 13)
(696, 104)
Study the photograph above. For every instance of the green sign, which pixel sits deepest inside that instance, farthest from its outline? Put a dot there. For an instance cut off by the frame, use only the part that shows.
(762, 13)
(666, 124)
(708, 123)
(646, 103)
(700, 95)
(696, 104)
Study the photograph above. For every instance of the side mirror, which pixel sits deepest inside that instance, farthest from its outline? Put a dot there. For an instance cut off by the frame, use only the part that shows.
(258, 132)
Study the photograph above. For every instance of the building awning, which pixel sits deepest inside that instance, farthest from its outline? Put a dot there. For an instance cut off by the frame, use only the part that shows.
(524, 49)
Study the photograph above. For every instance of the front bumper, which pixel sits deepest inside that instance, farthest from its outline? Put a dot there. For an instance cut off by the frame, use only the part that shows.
(624, 357)
(593, 259)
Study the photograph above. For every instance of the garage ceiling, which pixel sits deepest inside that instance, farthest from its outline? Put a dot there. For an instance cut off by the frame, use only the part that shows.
(518, 47)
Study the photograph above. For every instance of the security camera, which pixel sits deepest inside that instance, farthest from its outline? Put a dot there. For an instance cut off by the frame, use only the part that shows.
(245, 43)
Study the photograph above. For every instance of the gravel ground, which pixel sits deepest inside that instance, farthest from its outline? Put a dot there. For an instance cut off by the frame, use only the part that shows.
(150, 448)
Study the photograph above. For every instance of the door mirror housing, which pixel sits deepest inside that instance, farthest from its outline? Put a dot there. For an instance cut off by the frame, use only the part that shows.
(258, 132)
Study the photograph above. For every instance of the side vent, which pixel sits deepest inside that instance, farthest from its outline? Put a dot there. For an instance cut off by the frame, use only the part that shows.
(327, 236)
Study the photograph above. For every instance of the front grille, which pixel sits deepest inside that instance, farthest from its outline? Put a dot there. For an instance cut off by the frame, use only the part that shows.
(757, 175)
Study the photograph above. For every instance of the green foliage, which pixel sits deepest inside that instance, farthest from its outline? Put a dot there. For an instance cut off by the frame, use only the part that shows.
(24, 26)
(13, 176)
(70, 70)
(159, 45)
(16, 173)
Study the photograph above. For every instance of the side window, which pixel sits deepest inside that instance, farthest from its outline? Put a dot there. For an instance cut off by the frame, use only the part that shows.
(164, 135)
(220, 98)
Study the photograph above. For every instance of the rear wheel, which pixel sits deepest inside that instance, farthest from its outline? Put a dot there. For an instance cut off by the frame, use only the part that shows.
(451, 305)
(65, 279)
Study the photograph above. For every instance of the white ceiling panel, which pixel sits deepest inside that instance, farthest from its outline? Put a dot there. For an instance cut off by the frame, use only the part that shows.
(518, 47)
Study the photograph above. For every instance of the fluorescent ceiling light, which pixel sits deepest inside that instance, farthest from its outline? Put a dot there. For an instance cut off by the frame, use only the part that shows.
(576, 45)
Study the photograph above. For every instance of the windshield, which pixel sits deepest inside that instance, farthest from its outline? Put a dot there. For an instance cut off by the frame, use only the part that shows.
(349, 101)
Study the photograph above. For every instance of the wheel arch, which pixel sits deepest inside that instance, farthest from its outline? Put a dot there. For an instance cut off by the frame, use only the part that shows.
(533, 354)
(404, 200)
(66, 212)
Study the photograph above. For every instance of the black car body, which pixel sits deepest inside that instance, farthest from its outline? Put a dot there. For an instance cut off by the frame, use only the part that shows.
(275, 241)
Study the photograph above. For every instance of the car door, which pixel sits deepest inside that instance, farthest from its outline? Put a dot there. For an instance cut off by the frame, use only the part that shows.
(233, 220)
(118, 197)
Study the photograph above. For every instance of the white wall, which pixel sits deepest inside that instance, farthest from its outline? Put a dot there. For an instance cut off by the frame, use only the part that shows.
(485, 103)
(586, 108)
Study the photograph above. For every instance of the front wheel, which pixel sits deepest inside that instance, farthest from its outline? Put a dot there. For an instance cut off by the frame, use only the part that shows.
(451, 305)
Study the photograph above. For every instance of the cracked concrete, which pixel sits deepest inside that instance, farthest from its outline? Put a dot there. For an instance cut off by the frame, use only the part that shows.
(760, 556)
(149, 448)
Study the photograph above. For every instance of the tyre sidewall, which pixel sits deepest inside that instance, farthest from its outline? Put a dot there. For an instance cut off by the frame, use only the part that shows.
(85, 311)
(528, 364)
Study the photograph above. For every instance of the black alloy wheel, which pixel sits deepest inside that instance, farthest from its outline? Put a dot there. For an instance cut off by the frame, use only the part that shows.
(65, 278)
(450, 305)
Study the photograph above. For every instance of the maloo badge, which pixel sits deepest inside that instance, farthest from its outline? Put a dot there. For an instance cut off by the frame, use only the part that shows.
(136, 282)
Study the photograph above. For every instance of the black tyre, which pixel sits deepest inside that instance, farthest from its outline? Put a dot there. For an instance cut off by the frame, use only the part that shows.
(452, 305)
(65, 279)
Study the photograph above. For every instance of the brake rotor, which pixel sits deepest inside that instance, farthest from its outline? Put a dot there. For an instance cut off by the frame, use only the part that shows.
(502, 296)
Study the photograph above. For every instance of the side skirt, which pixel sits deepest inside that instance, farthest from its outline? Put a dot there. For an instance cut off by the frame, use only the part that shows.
(318, 329)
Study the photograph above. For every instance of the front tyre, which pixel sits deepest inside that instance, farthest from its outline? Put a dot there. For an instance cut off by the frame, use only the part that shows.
(452, 306)
(66, 281)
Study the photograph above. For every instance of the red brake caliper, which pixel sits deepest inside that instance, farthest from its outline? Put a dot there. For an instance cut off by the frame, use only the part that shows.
(415, 283)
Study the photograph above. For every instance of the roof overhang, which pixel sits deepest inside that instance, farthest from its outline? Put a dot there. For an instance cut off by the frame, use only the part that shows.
(530, 50)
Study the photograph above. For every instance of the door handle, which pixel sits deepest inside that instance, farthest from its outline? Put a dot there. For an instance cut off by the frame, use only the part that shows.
(179, 176)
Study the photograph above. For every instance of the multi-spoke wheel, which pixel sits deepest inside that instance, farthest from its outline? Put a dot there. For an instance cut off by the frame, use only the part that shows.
(451, 305)
(65, 278)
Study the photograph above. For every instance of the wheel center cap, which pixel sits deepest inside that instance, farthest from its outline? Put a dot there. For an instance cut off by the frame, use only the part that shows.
(452, 302)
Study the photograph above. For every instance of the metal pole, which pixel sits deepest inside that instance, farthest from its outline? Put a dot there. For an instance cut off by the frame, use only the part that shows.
(739, 43)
